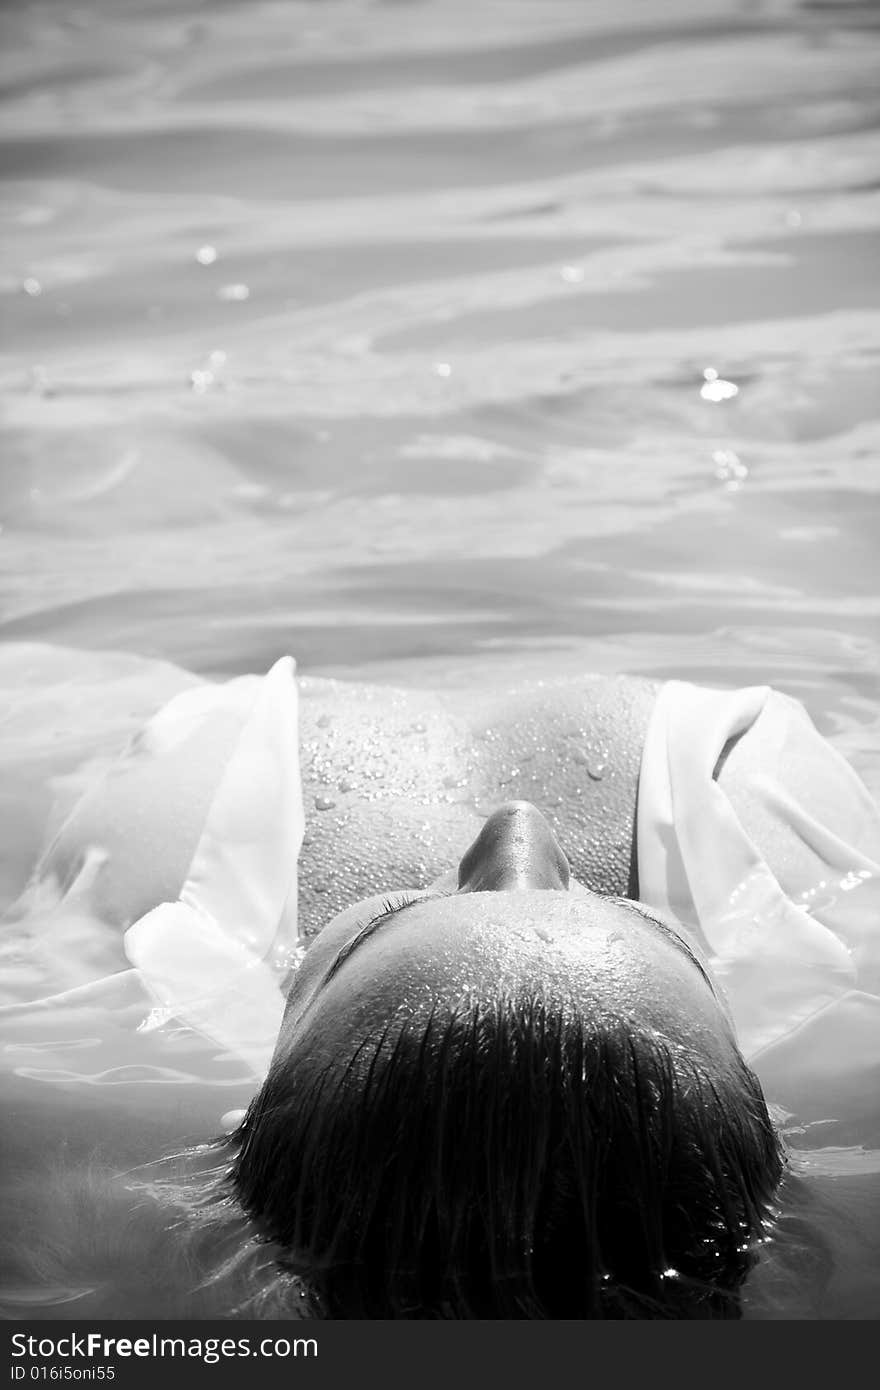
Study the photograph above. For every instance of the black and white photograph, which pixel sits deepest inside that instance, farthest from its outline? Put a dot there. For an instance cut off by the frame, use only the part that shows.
(439, 672)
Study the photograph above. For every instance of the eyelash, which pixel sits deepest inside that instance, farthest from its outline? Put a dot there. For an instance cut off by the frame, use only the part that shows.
(394, 904)
(389, 905)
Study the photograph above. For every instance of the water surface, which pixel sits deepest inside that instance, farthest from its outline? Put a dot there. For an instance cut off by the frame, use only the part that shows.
(439, 342)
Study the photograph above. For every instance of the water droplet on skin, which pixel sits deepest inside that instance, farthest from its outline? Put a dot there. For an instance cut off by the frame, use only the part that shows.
(572, 274)
(323, 803)
(596, 771)
(443, 369)
(543, 933)
(234, 292)
(206, 255)
(32, 287)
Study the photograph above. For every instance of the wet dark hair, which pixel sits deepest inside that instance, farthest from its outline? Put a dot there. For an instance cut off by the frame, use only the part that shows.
(511, 1159)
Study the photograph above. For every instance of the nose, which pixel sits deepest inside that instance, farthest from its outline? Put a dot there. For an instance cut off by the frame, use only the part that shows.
(515, 849)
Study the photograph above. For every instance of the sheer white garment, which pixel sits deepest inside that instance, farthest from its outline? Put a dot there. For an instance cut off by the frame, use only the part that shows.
(213, 959)
(207, 958)
(796, 946)
(791, 932)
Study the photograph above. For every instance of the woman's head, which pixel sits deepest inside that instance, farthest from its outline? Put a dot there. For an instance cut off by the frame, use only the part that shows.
(508, 1097)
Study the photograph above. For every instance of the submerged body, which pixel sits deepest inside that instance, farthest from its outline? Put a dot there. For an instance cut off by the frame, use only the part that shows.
(401, 792)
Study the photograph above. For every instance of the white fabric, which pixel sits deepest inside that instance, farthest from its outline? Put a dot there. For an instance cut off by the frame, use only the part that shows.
(215, 958)
(799, 967)
(799, 958)
(204, 958)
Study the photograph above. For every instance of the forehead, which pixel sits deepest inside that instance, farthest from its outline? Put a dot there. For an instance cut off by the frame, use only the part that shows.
(601, 955)
(517, 935)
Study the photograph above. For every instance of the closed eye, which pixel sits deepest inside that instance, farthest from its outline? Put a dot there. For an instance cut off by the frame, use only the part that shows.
(367, 929)
(670, 935)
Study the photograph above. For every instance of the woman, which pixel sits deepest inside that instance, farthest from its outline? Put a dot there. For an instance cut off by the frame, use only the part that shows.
(507, 1081)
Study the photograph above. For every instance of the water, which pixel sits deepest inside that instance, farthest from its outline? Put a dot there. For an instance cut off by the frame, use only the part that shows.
(433, 342)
